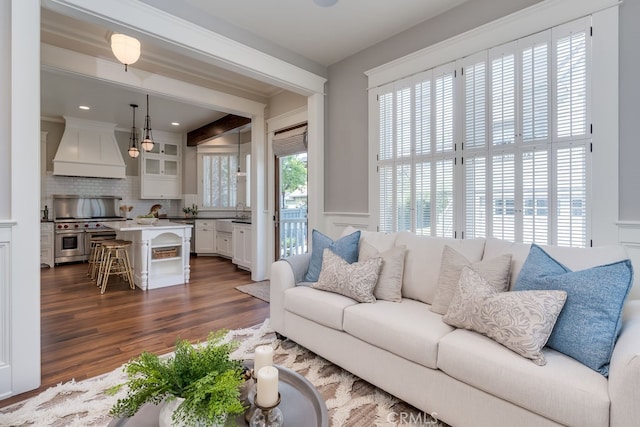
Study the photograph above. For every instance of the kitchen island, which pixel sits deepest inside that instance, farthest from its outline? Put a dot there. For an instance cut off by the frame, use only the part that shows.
(159, 253)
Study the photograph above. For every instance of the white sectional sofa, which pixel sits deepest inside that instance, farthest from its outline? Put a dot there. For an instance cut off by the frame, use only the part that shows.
(465, 378)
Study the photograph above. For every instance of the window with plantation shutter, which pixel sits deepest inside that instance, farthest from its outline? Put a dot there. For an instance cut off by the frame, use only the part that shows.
(496, 144)
(218, 180)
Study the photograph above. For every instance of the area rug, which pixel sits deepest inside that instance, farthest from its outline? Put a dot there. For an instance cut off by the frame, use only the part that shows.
(350, 400)
(257, 289)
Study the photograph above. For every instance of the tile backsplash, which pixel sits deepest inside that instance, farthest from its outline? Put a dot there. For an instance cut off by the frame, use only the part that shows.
(127, 188)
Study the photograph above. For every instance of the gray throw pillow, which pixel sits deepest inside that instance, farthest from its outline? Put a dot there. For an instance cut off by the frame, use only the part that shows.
(496, 271)
(389, 286)
(521, 321)
(355, 281)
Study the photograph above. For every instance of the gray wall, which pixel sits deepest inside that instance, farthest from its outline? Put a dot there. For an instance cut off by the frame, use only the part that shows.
(629, 111)
(346, 168)
(5, 111)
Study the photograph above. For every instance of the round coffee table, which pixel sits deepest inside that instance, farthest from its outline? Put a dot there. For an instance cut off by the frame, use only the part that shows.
(301, 405)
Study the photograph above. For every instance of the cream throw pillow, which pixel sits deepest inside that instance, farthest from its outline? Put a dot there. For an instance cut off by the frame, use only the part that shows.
(356, 280)
(389, 286)
(496, 271)
(521, 321)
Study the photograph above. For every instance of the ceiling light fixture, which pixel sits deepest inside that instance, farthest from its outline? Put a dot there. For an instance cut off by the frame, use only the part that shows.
(125, 48)
(84, 107)
(133, 139)
(240, 173)
(325, 3)
(147, 141)
(175, 124)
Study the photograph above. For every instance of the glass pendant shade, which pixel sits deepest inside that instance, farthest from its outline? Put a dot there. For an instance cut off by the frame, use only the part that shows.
(125, 48)
(147, 140)
(133, 139)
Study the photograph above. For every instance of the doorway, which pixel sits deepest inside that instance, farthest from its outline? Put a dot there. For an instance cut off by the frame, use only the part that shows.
(291, 183)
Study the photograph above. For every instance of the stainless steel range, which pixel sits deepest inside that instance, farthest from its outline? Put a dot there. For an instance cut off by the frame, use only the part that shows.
(77, 220)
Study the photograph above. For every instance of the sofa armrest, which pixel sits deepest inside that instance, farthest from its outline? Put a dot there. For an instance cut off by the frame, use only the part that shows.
(624, 370)
(284, 275)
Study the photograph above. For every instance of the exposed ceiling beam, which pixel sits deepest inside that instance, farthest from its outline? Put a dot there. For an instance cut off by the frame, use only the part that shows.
(214, 129)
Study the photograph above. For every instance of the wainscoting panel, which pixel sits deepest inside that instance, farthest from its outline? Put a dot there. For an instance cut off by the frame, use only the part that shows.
(5, 310)
(337, 221)
(629, 237)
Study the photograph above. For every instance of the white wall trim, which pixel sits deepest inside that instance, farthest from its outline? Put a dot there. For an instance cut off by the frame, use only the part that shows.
(528, 21)
(629, 237)
(221, 50)
(5, 308)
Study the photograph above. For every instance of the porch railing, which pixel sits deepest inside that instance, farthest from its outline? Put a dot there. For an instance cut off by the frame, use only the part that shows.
(293, 232)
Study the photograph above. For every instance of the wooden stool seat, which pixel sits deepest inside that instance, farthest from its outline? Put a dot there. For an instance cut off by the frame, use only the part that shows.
(114, 259)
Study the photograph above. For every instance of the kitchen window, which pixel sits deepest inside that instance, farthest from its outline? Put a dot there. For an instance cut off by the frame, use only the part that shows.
(217, 180)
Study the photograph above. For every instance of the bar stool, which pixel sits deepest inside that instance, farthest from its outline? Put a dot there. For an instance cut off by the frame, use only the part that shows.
(95, 257)
(115, 260)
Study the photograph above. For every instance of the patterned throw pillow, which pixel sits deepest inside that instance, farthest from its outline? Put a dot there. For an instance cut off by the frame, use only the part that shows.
(347, 247)
(496, 271)
(520, 321)
(355, 281)
(590, 323)
(389, 286)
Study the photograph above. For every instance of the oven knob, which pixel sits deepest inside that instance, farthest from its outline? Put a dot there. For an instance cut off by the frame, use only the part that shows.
(66, 226)
(76, 225)
(59, 226)
(86, 225)
(97, 225)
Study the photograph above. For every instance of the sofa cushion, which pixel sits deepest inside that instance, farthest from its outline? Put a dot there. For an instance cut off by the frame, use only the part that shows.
(422, 262)
(573, 258)
(389, 286)
(589, 325)
(355, 281)
(379, 240)
(347, 247)
(521, 321)
(408, 329)
(322, 307)
(496, 271)
(563, 390)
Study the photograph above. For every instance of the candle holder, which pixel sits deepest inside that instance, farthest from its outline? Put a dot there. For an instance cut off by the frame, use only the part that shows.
(267, 416)
(251, 395)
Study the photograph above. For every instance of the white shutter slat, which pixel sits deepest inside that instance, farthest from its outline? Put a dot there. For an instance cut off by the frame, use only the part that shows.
(503, 94)
(571, 195)
(444, 204)
(443, 99)
(535, 87)
(386, 199)
(403, 197)
(475, 101)
(423, 115)
(503, 196)
(423, 198)
(386, 126)
(403, 122)
(535, 195)
(475, 169)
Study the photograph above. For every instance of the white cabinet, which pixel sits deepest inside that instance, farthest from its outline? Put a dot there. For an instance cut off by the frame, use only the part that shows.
(46, 243)
(242, 245)
(160, 168)
(224, 238)
(205, 236)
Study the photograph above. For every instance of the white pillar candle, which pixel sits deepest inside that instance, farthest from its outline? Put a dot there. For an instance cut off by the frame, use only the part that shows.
(267, 392)
(263, 357)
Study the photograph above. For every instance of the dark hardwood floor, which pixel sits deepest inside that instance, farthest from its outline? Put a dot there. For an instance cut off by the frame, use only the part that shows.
(84, 334)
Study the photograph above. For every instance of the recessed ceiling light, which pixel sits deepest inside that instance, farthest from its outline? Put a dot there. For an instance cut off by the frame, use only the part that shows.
(325, 3)
(84, 107)
(175, 124)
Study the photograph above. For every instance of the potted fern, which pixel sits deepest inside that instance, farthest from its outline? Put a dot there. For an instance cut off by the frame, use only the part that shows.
(201, 382)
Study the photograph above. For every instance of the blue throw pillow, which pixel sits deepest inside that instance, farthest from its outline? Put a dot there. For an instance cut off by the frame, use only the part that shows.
(346, 247)
(589, 324)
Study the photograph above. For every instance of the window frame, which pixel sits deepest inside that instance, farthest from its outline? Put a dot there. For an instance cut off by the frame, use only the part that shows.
(604, 76)
(232, 190)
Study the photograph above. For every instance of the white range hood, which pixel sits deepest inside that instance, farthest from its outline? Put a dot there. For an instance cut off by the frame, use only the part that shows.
(89, 148)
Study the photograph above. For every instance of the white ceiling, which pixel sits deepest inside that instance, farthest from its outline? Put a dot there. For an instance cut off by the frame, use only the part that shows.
(325, 35)
(320, 35)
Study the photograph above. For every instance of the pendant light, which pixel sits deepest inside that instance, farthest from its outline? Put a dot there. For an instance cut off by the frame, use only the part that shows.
(240, 173)
(133, 139)
(126, 49)
(147, 141)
